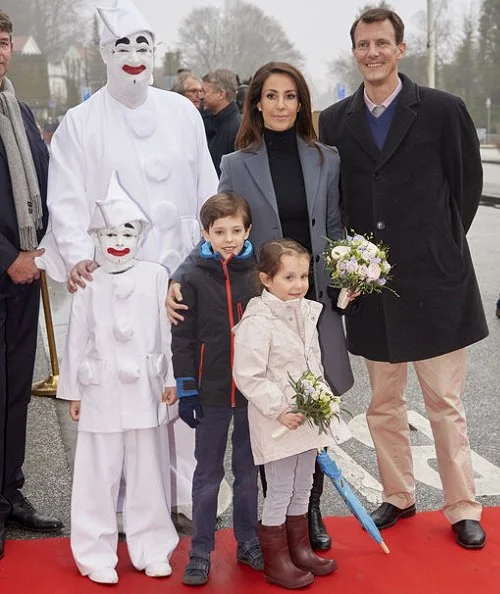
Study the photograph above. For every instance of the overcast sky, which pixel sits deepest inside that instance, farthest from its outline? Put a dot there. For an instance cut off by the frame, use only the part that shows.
(318, 28)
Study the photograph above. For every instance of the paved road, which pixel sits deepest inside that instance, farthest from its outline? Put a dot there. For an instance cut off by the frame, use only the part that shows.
(51, 434)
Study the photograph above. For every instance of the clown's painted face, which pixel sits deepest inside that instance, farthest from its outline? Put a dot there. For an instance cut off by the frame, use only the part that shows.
(129, 62)
(118, 245)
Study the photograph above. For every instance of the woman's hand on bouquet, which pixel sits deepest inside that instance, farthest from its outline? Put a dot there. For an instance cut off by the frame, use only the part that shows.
(351, 295)
(354, 302)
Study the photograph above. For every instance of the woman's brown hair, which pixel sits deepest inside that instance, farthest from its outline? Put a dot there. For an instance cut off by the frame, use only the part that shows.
(249, 136)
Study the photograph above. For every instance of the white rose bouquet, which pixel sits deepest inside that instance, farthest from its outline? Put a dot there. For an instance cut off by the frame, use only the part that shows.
(314, 399)
(357, 265)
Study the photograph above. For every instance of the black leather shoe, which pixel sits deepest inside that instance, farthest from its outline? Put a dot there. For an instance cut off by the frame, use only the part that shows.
(23, 514)
(318, 536)
(470, 534)
(387, 515)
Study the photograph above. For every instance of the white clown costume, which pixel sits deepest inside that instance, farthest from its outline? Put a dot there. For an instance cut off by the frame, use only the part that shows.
(156, 142)
(117, 362)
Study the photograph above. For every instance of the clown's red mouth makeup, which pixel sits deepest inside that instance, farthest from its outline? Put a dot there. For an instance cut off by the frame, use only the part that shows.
(118, 253)
(134, 70)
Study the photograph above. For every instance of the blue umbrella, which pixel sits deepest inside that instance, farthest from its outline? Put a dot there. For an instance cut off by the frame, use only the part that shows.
(330, 468)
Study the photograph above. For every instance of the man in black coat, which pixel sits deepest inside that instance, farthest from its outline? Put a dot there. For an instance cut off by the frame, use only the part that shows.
(223, 117)
(411, 175)
(23, 219)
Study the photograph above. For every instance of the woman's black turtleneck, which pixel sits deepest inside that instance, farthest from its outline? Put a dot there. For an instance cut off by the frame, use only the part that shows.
(288, 182)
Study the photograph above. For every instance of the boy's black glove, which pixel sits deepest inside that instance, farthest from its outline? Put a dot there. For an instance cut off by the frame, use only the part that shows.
(190, 410)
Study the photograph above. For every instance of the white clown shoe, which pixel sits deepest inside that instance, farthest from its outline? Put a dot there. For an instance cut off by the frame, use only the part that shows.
(158, 570)
(105, 575)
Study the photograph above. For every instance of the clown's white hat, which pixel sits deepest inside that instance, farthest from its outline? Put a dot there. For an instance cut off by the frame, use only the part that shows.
(117, 209)
(121, 20)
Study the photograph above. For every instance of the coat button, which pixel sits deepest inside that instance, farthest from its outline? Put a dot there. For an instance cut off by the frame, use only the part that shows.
(313, 222)
(317, 258)
(320, 294)
(380, 225)
(377, 175)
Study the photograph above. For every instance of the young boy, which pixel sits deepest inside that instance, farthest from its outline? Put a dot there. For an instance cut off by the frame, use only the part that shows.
(115, 369)
(216, 286)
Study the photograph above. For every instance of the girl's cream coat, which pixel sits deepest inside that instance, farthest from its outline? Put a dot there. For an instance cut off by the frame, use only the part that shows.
(274, 339)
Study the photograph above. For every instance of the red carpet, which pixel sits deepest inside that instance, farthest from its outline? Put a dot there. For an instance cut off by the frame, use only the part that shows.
(424, 559)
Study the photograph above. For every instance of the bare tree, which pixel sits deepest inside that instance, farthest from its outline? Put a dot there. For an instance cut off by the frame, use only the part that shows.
(54, 24)
(242, 39)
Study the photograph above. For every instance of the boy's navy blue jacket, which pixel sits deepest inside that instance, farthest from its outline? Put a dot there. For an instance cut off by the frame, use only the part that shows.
(216, 292)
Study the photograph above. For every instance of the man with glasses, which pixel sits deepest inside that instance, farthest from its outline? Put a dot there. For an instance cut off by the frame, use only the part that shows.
(190, 86)
(23, 218)
(411, 176)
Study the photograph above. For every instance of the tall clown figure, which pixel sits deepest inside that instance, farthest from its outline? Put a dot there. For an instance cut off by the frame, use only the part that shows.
(156, 142)
(116, 371)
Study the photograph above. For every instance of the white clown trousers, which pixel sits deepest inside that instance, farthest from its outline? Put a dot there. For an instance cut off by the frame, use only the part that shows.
(99, 461)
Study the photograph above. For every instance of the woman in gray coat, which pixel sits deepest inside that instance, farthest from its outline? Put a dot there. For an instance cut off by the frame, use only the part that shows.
(291, 182)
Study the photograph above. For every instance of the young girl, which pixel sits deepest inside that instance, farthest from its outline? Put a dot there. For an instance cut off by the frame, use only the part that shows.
(277, 338)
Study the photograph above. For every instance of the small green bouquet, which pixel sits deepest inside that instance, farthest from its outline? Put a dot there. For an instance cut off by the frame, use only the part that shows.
(356, 264)
(315, 400)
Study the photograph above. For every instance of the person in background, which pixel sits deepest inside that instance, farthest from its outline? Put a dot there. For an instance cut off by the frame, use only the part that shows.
(48, 131)
(241, 93)
(23, 219)
(411, 177)
(219, 102)
(217, 286)
(190, 86)
(292, 185)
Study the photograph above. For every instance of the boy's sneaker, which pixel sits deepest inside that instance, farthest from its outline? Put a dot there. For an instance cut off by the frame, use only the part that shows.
(197, 570)
(250, 553)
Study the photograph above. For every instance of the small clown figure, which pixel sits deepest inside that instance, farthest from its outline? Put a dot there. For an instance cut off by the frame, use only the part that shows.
(117, 373)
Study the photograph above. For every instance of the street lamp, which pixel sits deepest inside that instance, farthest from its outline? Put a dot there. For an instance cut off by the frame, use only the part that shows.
(488, 119)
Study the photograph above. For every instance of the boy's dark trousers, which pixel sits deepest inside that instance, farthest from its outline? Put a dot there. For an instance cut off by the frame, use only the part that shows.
(211, 440)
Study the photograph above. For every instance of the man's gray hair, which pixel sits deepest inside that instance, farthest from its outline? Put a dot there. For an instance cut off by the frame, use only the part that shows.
(179, 85)
(223, 80)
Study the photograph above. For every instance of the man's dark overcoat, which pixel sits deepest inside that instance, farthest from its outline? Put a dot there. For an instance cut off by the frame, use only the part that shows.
(19, 305)
(419, 196)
